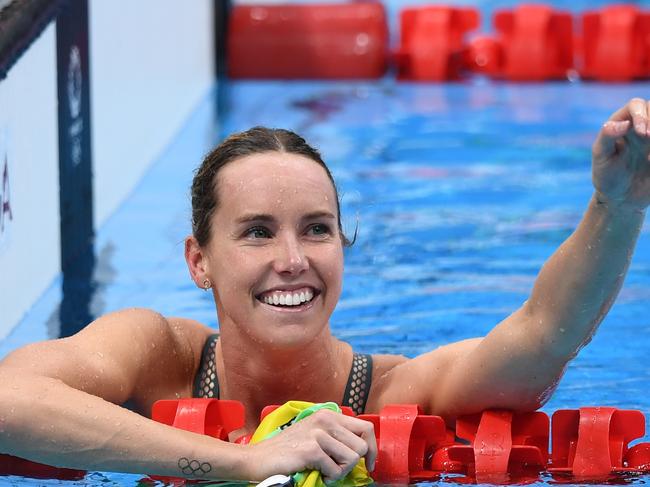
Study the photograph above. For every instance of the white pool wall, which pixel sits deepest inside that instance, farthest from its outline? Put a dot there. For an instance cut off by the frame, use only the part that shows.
(151, 62)
(30, 246)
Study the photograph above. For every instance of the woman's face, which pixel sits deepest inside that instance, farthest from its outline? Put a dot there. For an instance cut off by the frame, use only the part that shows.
(275, 257)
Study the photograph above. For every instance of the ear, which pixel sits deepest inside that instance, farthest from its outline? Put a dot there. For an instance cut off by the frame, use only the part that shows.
(196, 261)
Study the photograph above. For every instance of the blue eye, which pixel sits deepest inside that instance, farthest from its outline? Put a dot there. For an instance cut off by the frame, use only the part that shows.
(258, 232)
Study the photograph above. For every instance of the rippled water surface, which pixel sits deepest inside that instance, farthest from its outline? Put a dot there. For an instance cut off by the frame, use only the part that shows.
(459, 193)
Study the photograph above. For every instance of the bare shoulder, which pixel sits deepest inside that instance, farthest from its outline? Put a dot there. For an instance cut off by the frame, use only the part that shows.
(400, 380)
(134, 355)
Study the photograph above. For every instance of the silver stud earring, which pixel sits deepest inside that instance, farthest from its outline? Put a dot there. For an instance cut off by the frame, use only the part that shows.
(206, 284)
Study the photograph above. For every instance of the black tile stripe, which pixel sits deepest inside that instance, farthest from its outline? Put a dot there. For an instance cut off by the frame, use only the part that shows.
(75, 166)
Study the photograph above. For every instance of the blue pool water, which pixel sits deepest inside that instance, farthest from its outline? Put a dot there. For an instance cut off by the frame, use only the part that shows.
(460, 192)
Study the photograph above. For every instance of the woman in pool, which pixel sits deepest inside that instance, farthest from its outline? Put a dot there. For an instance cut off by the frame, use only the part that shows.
(267, 242)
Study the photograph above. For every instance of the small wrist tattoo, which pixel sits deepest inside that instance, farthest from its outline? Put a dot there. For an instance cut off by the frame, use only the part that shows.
(193, 468)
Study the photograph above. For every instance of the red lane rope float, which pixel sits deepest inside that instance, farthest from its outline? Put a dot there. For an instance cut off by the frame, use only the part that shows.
(499, 446)
(308, 41)
(432, 46)
(495, 446)
(406, 438)
(593, 442)
(615, 44)
(502, 447)
(534, 42)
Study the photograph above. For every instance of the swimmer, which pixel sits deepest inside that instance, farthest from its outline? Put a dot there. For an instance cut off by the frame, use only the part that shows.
(267, 243)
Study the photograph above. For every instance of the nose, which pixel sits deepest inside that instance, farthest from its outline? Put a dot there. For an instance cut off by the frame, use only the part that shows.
(290, 258)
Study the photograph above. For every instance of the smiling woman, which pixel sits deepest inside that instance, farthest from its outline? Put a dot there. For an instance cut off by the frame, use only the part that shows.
(267, 242)
(275, 234)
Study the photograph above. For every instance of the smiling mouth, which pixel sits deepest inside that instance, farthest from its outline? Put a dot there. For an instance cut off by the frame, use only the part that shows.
(288, 299)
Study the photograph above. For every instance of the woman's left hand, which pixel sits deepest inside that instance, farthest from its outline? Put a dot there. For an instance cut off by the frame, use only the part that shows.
(620, 167)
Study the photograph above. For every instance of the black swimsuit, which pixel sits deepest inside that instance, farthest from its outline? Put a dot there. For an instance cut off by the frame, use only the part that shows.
(206, 383)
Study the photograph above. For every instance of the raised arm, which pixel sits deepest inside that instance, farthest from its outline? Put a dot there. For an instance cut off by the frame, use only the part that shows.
(60, 405)
(519, 363)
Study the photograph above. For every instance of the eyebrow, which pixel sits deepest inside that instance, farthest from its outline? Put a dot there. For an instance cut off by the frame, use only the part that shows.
(256, 217)
(264, 217)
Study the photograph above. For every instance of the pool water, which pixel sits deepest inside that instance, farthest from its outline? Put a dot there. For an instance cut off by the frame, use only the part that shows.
(459, 193)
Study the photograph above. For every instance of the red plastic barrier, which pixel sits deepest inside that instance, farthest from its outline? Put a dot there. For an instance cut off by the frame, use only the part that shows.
(615, 44)
(535, 43)
(308, 41)
(503, 446)
(406, 439)
(432, 46)
(593, 442)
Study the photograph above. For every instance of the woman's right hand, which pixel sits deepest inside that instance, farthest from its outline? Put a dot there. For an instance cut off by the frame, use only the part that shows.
(326, 441)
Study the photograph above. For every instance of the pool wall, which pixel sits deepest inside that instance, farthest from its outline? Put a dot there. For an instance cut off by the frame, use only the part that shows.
(145, 61)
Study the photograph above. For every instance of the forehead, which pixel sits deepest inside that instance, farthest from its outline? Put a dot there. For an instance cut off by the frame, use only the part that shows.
(274, 179)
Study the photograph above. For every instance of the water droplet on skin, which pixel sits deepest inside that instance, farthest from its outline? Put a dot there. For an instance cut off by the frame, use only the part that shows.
(562, 330)
(100, 354)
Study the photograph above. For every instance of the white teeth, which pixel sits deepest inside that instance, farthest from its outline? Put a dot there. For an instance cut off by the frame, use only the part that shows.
(289, 299)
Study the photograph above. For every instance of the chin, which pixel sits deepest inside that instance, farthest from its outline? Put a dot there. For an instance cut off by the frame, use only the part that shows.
(290, 336)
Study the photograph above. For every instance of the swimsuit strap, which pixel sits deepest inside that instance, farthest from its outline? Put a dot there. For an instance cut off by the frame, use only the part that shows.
(358, 386)
(206, 383)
